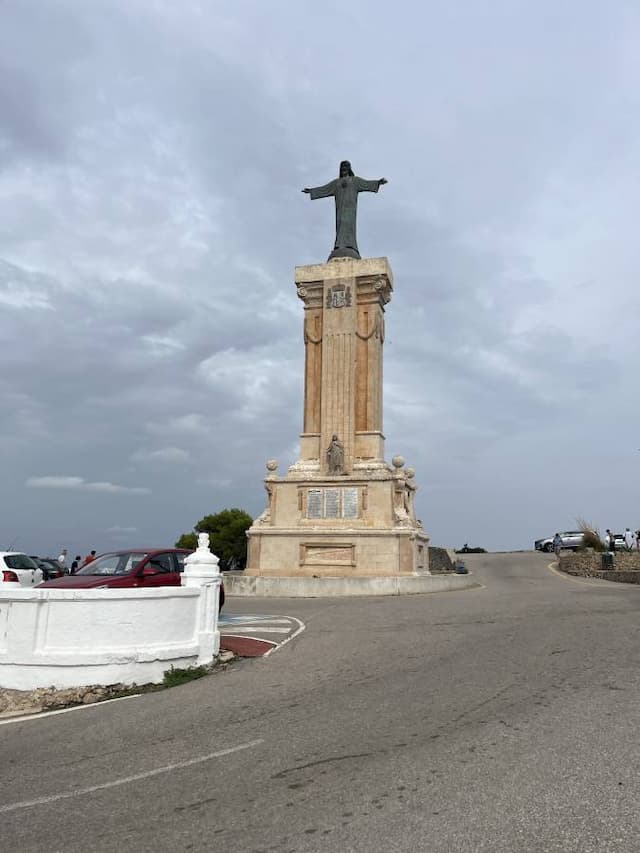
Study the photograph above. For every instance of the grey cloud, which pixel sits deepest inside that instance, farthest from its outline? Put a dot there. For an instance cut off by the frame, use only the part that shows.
(152, 215)
(23, 129)
(80, 484)
(162, 455)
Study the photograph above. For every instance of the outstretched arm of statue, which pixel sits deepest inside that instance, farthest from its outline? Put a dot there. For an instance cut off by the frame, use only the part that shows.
(365, 186)
(321, 192)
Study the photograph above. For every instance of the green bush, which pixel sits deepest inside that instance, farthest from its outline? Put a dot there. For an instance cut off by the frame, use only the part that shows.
(173, 677)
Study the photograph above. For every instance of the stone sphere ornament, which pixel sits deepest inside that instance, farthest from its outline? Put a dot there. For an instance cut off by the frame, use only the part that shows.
(272, 465)
(398, 461)
(410, 473)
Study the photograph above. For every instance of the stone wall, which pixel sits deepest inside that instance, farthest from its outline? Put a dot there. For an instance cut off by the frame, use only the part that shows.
(588, 564)
(441, 560)
(73, 637)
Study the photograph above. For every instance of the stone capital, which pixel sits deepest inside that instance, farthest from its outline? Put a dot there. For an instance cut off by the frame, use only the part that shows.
(344, 268)
(311, 293)
(374, 289)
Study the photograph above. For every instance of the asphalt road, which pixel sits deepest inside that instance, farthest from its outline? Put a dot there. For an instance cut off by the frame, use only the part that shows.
(498, 719)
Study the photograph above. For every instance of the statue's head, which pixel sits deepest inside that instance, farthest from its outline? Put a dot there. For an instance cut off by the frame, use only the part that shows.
(345, 169)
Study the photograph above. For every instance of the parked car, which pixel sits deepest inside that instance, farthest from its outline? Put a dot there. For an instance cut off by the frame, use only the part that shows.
(19, 570)
(126, 569)
(571, 540)
(619, 542)
(51, 568)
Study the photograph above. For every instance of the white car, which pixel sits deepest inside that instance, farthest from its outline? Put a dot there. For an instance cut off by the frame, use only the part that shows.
(18, 570)
(571, 540)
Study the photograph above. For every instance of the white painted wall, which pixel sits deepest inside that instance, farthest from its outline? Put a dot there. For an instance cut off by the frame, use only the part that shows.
(72, 638)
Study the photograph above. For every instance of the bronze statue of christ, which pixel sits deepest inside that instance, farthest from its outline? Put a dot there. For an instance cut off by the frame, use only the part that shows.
(345, 190)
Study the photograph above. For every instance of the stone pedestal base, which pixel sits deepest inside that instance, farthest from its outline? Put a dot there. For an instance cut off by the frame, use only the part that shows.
(378, 537)
(354, 553)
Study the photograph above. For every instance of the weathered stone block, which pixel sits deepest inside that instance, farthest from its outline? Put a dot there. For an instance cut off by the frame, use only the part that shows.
(588, 564)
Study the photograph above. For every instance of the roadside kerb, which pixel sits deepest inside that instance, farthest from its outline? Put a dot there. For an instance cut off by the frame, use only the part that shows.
(328, 587)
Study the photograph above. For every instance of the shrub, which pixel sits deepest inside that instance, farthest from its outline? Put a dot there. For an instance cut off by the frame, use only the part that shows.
(173, 677)
(591, 535)
(467, 550)
(227, 537)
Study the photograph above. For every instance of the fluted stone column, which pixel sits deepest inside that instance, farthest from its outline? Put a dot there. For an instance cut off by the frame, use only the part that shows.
(344, 332)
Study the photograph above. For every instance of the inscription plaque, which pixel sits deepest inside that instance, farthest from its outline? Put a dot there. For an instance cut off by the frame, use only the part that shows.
(349, 503)
(332, 503)
(328, 554)
(314, 503)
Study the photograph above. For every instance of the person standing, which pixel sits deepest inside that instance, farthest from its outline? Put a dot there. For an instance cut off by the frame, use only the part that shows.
(557, 544)
(89, 559)
(75, 565)
(609, 541)
(628, 539)
(62, 559)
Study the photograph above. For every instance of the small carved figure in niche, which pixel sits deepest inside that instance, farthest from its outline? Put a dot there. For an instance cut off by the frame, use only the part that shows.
(335, 456)
(268, 485)
(403, 489)
(410, 491)
(398, 495)
(272, 467)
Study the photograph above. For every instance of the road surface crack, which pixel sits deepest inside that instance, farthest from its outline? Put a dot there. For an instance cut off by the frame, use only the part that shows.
(288, 770)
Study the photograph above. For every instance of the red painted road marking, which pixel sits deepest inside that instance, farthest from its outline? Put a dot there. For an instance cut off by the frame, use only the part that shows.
(246, 647)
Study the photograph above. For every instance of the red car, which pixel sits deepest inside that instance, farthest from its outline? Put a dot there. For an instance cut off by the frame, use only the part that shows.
(123, 569)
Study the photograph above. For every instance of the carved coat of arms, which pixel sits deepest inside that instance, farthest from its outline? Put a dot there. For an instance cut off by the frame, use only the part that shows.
(339, 297)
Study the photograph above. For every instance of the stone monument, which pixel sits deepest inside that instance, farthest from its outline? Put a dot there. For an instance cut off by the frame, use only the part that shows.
(341, 510)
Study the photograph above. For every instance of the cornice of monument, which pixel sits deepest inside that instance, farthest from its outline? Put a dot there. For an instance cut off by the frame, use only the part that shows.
(344, 268)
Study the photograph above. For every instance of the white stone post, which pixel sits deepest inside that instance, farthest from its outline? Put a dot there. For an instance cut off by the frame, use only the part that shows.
(201, 569)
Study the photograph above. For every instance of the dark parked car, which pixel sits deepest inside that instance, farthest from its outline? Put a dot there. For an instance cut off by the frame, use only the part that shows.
(126, 569)
(51, 569)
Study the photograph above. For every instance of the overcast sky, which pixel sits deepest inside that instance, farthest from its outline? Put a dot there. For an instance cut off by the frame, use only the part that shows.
(151, 160)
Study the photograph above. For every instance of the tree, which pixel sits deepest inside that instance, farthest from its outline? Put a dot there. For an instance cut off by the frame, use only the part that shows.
(227, 537)
(188, 540)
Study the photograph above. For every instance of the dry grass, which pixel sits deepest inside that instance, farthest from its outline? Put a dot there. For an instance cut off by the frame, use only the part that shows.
(591, 535)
